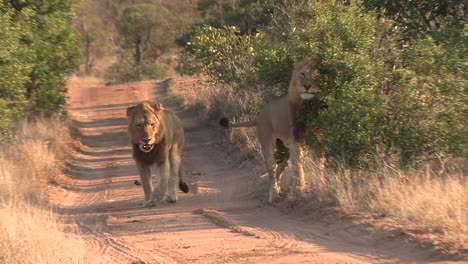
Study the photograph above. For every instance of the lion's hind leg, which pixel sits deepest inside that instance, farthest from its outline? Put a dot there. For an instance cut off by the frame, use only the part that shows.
(281, 158)
(268, 156)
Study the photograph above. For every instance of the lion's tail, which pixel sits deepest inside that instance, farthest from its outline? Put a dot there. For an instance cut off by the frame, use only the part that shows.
(226, 123)
(182, 185)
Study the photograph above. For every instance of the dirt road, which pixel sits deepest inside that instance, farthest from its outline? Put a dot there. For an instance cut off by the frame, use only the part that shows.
(221, 220)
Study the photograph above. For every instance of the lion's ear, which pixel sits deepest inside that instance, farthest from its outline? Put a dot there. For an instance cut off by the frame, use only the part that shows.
(158, 107)
(307, 60)
(130, 110)
(312, 59)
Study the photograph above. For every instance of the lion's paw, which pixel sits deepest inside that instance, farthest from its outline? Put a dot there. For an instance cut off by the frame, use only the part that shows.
(171, 199)
(148, 203)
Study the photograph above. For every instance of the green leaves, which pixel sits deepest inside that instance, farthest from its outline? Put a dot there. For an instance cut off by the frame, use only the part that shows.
(14, 70)
(223, 54)
(415, 18)
(37, 48)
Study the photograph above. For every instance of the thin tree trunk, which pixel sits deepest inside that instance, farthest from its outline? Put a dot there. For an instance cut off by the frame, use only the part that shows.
(88, 63)
(138, 52)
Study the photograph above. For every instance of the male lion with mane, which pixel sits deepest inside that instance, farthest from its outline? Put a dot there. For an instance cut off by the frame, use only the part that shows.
(157, 138)
(276, 125)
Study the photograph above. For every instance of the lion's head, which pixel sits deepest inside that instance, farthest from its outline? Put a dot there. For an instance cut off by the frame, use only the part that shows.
(305, 81)
(145, 125)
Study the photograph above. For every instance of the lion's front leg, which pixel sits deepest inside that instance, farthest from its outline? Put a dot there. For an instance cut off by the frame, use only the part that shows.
(146, 181)
(295, 152)
(175, 160)
(275, 187)
(160, 191)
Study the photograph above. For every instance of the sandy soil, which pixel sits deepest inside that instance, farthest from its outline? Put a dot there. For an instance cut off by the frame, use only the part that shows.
(221, 219)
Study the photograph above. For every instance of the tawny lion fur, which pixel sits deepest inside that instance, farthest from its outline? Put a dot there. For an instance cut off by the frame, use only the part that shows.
(157, 138)
(275, 125)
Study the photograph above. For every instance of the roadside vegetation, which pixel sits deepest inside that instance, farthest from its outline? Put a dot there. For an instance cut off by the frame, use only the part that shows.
(37, 50)
(30, 232)
(393, 107)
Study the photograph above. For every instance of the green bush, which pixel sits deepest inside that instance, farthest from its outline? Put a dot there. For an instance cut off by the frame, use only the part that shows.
(155, 70)
(37, 50)
(430, 96)
(14, 71)
(413, 19)
(223, 54)
(126, 71)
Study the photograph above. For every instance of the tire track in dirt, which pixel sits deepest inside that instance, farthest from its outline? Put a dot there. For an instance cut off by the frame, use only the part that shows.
(219, 221)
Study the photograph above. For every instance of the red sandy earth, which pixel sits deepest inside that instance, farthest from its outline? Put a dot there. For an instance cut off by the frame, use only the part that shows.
(221, 219)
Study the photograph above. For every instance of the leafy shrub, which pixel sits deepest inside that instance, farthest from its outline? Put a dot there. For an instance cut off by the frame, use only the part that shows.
(15, 71)
(122, 72)
(155, 70)
(418, 17)
(223, 54)
(37, 50)
(126, 71)
(430, 96)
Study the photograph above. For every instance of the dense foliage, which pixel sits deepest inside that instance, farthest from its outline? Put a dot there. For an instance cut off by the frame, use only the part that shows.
(412, 19)
(37, 50)
(392, 91)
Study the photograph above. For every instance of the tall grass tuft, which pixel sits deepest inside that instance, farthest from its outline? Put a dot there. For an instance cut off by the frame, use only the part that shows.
(29, 230)
(418, 198)
(216, 101)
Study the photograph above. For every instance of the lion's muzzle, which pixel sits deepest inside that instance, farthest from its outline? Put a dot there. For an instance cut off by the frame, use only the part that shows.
(307, 96)
(146, 147)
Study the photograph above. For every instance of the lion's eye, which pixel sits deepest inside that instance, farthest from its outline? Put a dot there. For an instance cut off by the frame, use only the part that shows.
(303, 75)
(139, 126)
(153, 124)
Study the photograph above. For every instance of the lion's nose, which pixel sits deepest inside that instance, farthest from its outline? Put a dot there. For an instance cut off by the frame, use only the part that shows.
(146, 140)
(307, 86)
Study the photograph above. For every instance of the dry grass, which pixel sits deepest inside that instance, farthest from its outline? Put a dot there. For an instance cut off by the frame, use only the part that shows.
(213, 102)
(84, 81)
(421, 199)
(29, 231)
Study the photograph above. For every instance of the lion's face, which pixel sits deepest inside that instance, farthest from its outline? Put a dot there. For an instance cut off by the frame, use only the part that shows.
(307, 80)
(145, 125)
